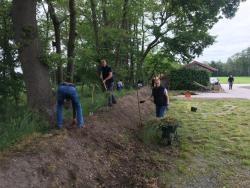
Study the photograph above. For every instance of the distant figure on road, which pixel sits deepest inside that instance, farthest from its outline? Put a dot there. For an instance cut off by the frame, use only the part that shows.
(230, 82)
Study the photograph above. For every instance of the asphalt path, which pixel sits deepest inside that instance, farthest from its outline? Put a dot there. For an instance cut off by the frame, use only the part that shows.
(239, 91)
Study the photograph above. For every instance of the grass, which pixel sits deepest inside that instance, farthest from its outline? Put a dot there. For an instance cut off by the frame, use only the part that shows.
(215, 144)
(237, 80)
(99, 98)
(18, 122)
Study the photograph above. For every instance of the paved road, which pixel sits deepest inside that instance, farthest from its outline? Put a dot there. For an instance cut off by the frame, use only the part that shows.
(240, 91)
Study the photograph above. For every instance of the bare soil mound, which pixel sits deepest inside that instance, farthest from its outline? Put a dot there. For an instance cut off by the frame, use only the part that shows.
(107, 153)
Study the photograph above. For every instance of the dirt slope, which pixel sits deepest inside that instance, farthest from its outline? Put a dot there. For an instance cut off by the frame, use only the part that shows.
(107, 153)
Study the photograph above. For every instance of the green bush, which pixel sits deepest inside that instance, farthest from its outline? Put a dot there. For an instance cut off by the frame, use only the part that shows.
(182, 79)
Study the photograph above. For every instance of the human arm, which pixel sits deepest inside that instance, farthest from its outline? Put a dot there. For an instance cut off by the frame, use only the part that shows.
(167, 96)
(109, 77)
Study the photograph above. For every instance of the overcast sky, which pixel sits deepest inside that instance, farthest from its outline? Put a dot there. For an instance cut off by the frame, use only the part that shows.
(233, 35)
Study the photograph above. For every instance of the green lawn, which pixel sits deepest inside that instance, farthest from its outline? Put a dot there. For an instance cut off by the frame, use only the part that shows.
(215, 145)
(237, 80)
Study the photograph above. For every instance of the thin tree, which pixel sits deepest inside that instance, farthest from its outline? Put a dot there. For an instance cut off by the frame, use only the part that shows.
(71, 41)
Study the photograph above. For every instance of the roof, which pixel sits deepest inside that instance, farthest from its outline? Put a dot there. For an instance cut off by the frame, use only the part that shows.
(205, 66)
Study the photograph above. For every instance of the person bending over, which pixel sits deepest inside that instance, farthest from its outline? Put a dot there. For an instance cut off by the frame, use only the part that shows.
(67, 93)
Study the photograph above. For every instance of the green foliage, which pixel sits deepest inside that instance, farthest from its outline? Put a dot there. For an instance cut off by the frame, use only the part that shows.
(11, 82)
(237, 65)
(156, 64)
(18, 122)
(183, 78)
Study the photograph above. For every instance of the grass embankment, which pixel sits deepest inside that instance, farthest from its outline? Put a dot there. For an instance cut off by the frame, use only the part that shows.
(237, 80)
(18, 122)
(215, 145)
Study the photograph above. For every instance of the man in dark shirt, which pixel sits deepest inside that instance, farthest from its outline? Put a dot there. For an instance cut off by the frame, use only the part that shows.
(67, 92)
(106, 76)
(161, 98)
(230, 82)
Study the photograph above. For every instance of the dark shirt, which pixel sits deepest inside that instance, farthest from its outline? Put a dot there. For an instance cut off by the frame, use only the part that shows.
(105, 73)
(230, 79)
(159, 96)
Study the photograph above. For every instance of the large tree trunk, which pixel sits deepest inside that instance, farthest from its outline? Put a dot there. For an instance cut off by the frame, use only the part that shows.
(95, 26)
(36, 74)
(57, 44)
(71, 42)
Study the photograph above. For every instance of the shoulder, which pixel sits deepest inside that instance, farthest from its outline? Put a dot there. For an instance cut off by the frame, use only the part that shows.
(109, 69)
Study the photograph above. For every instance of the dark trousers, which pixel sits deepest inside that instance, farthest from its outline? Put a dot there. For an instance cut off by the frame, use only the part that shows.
(110, 89)
(230, 85)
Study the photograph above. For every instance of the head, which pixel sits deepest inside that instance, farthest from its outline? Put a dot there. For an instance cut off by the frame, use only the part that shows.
(231, 75)
(157, 81)
(103, 63)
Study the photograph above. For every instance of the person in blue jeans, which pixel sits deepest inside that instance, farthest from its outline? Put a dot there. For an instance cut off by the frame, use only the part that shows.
(161, 98)
(67, 92)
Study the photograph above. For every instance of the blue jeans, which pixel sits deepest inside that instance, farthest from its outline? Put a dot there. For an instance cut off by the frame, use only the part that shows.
(64, 92)
(160, 111)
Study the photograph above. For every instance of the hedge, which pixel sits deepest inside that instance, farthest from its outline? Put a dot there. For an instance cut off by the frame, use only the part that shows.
(182, 79)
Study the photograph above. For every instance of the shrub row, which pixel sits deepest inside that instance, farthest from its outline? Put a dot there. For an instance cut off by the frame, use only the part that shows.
(182, 79)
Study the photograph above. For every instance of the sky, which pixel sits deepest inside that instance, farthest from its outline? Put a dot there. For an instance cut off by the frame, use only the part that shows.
(233, 36)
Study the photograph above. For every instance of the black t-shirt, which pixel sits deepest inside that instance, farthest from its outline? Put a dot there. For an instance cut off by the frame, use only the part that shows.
(105, 73)
(230, 79)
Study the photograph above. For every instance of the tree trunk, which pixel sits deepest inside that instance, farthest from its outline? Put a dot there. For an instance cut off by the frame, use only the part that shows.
(95, 27)
(124, 26)
(57, 44)
(71, 41)
(104, 13)
(36, 74)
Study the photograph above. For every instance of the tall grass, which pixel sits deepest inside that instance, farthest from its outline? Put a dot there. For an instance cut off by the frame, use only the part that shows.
(17, 123)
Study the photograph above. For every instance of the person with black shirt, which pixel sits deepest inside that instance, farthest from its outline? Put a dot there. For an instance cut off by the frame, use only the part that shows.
(67, 92)
(106, 76)
(161, 98)
(230, 82)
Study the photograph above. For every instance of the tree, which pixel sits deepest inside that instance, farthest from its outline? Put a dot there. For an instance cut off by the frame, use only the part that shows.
(11, 84)
(35, 71)
(71, 41)
(57, 28)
